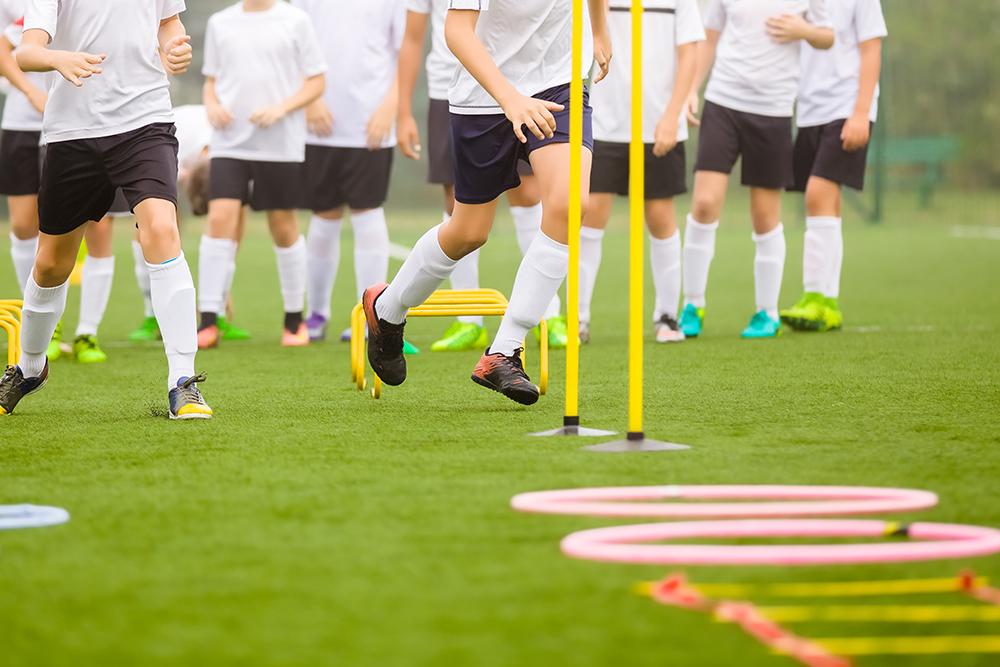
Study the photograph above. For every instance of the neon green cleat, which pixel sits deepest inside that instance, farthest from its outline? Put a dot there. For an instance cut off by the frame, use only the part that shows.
(228, 332)
(809, 314)
(462, 336)
(54, 350)
(558, 334)
(87, 350)
(834, 316)
(762, 325)
(148, 332)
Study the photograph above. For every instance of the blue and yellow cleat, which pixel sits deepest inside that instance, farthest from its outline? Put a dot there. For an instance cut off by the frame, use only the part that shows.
(692, 320)
(186, 401)
(14, 386)
(762, 325)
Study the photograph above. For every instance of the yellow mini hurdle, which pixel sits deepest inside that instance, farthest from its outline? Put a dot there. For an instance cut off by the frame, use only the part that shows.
(443, 303)
(10, 322)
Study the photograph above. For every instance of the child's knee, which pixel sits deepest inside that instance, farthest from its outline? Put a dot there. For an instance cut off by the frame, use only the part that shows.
(52, 269)
(705, 207)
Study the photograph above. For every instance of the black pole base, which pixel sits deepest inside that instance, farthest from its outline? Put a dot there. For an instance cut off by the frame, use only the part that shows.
(636, 441)
(571, 427)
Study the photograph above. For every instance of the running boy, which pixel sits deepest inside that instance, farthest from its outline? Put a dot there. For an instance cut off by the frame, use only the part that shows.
(509, 102)
(756, 46)
(263, 66)
(108, 124)
(838, 103)
(672, 30)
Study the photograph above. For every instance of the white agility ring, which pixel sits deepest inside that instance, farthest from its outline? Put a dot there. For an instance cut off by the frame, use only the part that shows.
(625, 544)
(31, 516)
(783, 501)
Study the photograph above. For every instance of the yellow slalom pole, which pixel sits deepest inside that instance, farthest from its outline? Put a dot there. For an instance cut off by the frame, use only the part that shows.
(571, 415)
(637, 264)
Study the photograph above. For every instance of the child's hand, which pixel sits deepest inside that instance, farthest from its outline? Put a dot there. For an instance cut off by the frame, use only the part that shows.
(534, 113)
(219, 116)
(268, 116)
(665, 138)
(788, 28)
(75, 67)
(856, 133)
(380, 125)
(408, 137)
(177, 55)
(38, 98)
(602, 53)
(319, 119)
(692, 107)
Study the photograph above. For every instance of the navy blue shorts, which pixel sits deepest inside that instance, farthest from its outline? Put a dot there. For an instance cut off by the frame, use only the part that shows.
(486, 152)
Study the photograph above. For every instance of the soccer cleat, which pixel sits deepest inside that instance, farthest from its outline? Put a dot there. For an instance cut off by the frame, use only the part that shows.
(87, 350)
(506, 375)
(208, 337)
(297, 338)
(385, 341)
(148, 331)
(409, 349)
(54, 351)
(462, 336)
(14, 386)
(584, 333)
(668, 330)
(317, 327)
(809, 314)
(834, 316)
(692, 320)
(345, 335)
(557, 332)
(186, 401)
(762, 325)
(229, 332)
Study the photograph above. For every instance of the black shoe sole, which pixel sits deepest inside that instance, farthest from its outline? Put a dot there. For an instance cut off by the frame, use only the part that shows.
(799, 324)
(523, 397)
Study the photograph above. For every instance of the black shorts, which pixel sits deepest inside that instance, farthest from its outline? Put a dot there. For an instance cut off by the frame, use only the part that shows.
(20, 163)
(119, 207)
(80, 177)
(819, 151)
(764, 142)
(440, 170)
(666, 177)
(334, 177)
(487, 153)
(265, 186)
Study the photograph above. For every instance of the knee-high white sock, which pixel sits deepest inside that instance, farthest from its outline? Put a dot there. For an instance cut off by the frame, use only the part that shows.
(95, 290)
(214, 260)
(465, 275)
(527, 223)
(22, 252)
(591, 246)
(542, 271)
(142, 277)
(422, 273)
(371, 248)
(172, 291)
(323, 247)
(836, 241)
(43, 308)
(292, 275)
(699, 249)
(665, 257)
(768, 268)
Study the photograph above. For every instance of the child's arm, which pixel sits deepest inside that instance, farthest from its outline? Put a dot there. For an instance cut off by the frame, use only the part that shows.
(602, 36)
(176, 52)
(311, 91)
(857, 129)
(408, 134)
(793, 27)
(704, 60)
(218, 115)
(13, 73)
(666, 129)
(380, 124)
(34, 55)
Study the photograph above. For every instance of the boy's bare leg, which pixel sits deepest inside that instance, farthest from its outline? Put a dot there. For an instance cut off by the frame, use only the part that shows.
(769, 238)
(23, 235)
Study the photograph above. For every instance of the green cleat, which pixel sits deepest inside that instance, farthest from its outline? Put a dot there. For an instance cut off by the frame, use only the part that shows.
(762, 325)
(692, 320)
(834, 317)
(229, 332)
(462, 336)
(87, 350)
(410, 349)
(809, 314)
(558, 334)
(54, 350)
(148, 332)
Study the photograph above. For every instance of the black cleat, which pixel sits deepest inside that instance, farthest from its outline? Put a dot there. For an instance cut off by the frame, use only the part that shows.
(385, 341)
(506, 375)
(14, 386)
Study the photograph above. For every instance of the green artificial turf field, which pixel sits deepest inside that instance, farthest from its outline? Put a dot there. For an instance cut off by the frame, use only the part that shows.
(310, 525)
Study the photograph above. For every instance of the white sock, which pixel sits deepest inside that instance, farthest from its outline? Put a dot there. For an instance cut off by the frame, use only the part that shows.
(95, 290)
(323, 247)
(665, 257)
(371, 248)
(768, 268)
(466, 276)
(527, 223)
(173, 297)
(591, 246)
(836, 240)
(422, 273)
(43, 308)
(214, 260)
(542, 271)
(699, 249)
(142, 277)
(22, 252)
(292, 275)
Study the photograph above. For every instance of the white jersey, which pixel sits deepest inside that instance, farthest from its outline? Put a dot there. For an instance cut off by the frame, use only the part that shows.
(194, 133)
(259, 59)
(441, 62)
(666, 24)
(132, 92)
(830, 79)
(530, 41)
(361, 42)
(11, 11)
(19, 115)
(753, 73)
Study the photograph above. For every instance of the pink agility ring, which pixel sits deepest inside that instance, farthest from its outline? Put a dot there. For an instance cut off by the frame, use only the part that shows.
(634, 501)
(941, 541)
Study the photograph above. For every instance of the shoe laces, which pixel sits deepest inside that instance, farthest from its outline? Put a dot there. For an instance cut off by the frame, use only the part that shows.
(189, 391)
(390, 342)
(89, 342)
(9, 374)
(515, 361)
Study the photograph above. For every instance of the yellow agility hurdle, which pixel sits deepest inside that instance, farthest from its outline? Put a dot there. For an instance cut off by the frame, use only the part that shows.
(442, 303)
(10, 322)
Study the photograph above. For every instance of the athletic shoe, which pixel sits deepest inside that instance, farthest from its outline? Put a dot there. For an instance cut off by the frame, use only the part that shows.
(668, 331)
(809, 314)
(834, 316)
(54, 350)
(506, 375)
(208, 337)
(692, 320)
(148, 332)
(298, 338)
(186, 402)
(762, 325)
(14, 386)
(345, 335)
(584, 333)
(229, 332)
(557, 332)
(87, 350)
(409, 349)
(317, 328)
(385, 341)
(462, 336)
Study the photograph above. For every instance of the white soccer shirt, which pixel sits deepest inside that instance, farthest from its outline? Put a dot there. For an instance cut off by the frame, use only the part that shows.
(530, 41)
(259, 59)
(11, 11)
(753, 73)
(194, 133)
(133, 90)
(666, 24)
(361, 41)
(18, 113)
(441, 62)
(830, 79)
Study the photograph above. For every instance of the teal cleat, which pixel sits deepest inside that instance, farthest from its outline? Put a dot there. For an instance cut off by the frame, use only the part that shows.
(692, 319)
(762, 325)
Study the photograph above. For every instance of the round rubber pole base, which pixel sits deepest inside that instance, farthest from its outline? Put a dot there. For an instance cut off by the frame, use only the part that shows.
(636, 442)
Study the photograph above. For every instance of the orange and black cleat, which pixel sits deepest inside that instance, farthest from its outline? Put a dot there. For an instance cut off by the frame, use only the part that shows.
(385, 341)
(506, 375)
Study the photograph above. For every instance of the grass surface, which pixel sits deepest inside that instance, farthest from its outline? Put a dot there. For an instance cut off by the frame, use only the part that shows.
(310, 525)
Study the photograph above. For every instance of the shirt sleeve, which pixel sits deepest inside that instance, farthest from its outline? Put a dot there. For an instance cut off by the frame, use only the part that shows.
(211, 64)
(818, 15)
(870, 21)
(715, 18)
(689, 26)
(169, 8)
(311, 59)
(8, 13)
(42, 15)
(420, 6)
(478, 5)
